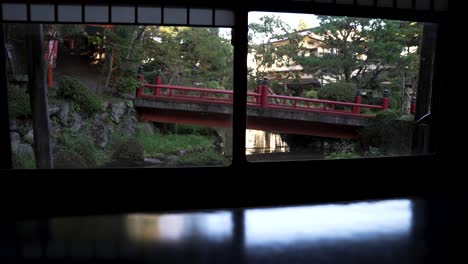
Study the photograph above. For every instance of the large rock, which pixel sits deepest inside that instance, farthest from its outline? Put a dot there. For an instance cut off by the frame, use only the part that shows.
(152, 161)
(172, 159)
(63, 113)
(77, 122)
(128, 149)
(100, 133)
(55, 128)
(128, 126)
(22, 126)
(29, 137)
(25, 150)
(147, 128)
(117, 109)
(53, 109)
(15, 141)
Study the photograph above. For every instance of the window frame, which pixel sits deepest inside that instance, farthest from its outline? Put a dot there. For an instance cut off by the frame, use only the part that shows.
(236, 190)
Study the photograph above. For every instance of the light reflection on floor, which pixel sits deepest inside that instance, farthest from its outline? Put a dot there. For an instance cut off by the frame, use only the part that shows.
(370, 232)
(349, 221)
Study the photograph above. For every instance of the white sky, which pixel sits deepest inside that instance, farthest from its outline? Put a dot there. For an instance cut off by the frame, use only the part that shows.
(292, 19)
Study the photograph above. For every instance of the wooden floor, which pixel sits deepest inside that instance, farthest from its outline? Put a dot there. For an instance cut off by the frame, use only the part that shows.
(365, 232)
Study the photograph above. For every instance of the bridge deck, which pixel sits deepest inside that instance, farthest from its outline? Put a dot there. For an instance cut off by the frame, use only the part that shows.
(211, 107)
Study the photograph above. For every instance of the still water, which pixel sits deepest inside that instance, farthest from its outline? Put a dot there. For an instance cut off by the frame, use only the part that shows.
(364, 232)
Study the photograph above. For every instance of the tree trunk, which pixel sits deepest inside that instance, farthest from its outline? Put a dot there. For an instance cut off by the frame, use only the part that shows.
(38, 93)
(136, 36)
(347, 73)
(109, 73)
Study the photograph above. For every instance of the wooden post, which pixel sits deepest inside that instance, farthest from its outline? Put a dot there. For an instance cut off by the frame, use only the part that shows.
(264, 100)
(357, 109)
(258, 99)
(157, 81)
(5, 141)
(385, 100)
(413, 105)
(38, 93)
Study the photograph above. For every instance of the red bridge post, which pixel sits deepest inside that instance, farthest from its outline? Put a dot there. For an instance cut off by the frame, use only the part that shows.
(413, 105)
(157, 81)
(258, 99)
(357, 109)
(385, 100)
(50, 79)
(264, 93)
(140, 77)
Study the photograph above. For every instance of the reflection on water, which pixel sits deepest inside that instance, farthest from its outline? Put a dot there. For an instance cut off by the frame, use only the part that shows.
(353, 221)
(258, 141)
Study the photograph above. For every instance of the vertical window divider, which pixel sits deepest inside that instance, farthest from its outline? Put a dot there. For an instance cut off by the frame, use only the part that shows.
(5, 140)
(239, 121)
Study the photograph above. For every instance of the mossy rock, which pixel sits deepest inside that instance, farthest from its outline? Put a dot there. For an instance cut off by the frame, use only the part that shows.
(128, 149)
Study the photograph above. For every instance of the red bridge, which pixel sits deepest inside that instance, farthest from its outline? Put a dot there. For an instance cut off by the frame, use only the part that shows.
(276, 113)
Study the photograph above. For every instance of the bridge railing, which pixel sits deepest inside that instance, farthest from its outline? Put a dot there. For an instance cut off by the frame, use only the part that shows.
(187, 93)
(260, 98)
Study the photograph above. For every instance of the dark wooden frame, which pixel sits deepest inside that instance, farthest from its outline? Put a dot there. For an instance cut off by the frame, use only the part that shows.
(108, 191)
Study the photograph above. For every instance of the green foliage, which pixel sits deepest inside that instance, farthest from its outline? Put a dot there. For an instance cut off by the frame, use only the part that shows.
(77, 150)
(368, 47)
(127, 85)
(193, 130)
(72, 89)
(187, 56)
(342, 155)
(373, 152)
(150, 77)
(340, 91)
(126, 148)
(66, 30)
(390, 137)
(312, 94)
(387, 114)
(205, 158)
(19, 102)
(367, 111)
(274, 43)
(166, 144)
(23, 160)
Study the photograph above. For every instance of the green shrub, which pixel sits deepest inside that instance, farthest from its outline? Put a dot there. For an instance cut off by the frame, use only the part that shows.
(213, 85)
(166, 144)
(127, 85)
(77, 150)
(342, 155)
(340, 91)
(23, 160)
(150, 77)
(205, 158)
(394, 101)
(312, 94)
(187, 129)
(367, 111)
(371, 100)
(20, 106)
(126, 149)
(389, 136)
(74, 90)
(387, 114)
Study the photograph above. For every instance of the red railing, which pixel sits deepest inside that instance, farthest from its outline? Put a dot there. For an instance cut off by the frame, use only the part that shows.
(261, 98)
